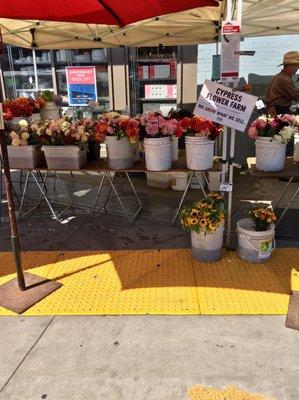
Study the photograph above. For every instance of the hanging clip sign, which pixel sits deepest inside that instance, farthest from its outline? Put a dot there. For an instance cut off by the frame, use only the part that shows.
(230, 47)
(81, 85)
(221, 104)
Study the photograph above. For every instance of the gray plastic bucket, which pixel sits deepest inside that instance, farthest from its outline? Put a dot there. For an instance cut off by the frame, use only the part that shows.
(254, 246)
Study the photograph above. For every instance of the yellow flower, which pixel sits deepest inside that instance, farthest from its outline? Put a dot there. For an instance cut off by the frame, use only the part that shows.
(203, 222)
(194, 212)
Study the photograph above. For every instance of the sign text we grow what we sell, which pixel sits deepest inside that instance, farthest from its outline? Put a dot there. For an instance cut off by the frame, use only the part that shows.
(223, 105)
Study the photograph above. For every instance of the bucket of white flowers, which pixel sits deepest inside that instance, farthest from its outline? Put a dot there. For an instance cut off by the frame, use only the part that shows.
(23, 148)
(271, 136)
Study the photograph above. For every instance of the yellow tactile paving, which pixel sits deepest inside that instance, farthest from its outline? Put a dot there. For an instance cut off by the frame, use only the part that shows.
(157, 282)
(230, 393)
(38, 262)
(233, 286)
(122, 282)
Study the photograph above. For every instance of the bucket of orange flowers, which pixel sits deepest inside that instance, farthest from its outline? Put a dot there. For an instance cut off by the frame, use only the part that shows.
(205, 220)
(120, 132)
(256, 235)
(15, 110)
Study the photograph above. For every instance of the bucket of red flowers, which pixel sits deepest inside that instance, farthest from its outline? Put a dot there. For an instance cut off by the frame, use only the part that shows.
(200, 134)
(15, 110)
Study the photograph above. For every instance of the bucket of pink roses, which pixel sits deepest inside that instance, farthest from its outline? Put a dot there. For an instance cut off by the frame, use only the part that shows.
(200, 134)
(271, 136)
(23, 148)
(158, 133)
(64, 143)
(120, 132)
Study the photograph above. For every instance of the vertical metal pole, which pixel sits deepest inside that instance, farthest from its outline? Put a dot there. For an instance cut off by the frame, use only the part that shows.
(230, 194)
(11, 209)
(35, 69)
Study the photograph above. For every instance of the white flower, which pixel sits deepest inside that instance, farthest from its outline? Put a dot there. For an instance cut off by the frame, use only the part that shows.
(14, 135)
(25, 136)
(84, 137)
(65, 126)
(278, 138)
(23, 123)
(16, 141)
(287, 133)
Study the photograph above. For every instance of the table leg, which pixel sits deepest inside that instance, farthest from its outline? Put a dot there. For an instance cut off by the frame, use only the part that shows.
(97, 196)
(24, 194)
(118, 197)
(183, 198)
(64, 189)
(283, 193)
(207, 181)
(136, 196)
(288, 206)
(45, 196)
(200, 184)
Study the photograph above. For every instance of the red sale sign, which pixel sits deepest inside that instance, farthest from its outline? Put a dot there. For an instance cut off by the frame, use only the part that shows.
(81, 85)
(81, 75)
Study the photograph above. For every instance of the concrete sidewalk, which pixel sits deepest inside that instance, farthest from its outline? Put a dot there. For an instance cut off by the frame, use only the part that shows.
(150, 357)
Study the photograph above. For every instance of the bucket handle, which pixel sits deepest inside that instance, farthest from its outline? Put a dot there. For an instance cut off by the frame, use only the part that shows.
(258, 250)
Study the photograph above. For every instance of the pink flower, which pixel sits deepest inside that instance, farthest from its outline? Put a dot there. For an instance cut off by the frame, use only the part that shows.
(261, 123)
(252, 132)
(274, 123)
(110, 130)
(287, 118)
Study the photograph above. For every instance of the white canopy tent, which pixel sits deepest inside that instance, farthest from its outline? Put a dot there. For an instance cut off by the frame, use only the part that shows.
(196, 26)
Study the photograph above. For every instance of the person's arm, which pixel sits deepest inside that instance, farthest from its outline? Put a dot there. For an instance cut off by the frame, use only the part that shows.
(290, 90)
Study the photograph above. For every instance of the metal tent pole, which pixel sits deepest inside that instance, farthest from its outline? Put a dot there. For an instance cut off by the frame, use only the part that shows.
(11, 208)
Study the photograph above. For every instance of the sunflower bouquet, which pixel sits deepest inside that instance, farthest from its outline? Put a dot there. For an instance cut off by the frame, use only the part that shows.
(262, 218)
(205, 215)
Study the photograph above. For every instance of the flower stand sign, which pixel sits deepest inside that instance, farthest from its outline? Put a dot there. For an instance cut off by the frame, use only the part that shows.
(205, 220)
(224, 106)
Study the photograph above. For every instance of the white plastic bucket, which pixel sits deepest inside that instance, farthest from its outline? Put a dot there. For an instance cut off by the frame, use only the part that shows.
(199, 153)
(270, 154)
(296, 147)
(158, 154)
(254, 246)
(207, 246)
(65, 157)
(24, 157)
(50, 111)
(120, 152)
(34, 117)
(175, 148)
(159, 180)
(194, 184)
(15, 121)
(214, 180)
(179, 180)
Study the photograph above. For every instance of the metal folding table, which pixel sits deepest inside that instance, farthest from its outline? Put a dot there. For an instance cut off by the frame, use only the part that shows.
(100, 167)
(290, 173)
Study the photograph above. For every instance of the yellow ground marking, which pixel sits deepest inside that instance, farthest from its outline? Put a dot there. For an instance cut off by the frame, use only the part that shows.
(157, 282)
